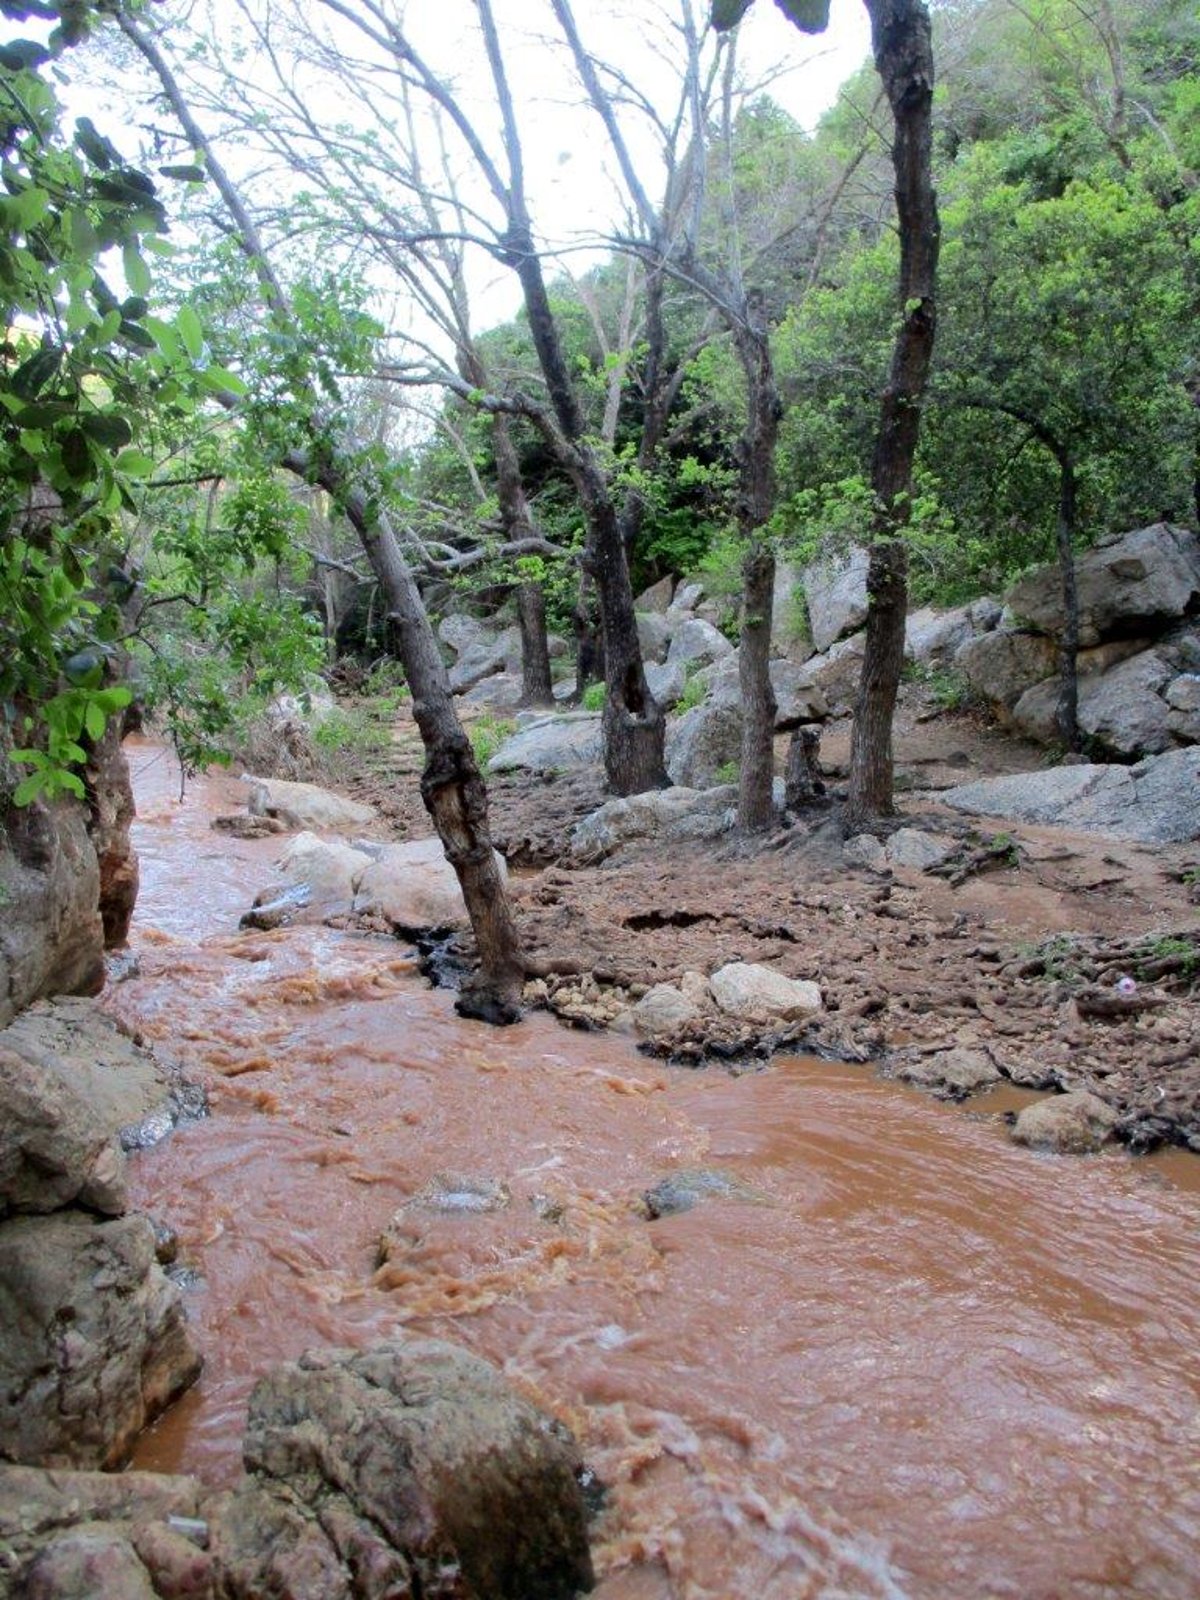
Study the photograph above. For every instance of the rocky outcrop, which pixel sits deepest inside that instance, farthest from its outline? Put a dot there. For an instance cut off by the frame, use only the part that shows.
(835, 589)
(696, 642)
(51, 930)
(657, 814)
(702, 742)
(1001, 666)
(932, 637)
(1130, 583)
(95, 1340)
(837, 672)
(797, 697)
(408, 1469)
(1157, 801)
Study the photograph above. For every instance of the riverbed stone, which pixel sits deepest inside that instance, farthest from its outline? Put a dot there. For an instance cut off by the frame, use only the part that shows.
(330, 867)
(865, 850)
(95, 1341)
(1072, 1124)
(950, 1074)
(754, 993)
(412, 886)
(918, 849)
(663, 1010)
(305, 805)
(701, 743)
(418, 1447)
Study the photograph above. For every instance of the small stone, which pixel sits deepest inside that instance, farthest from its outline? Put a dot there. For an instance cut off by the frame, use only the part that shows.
(1072, 1124)
(662, 1010)
(951, 1074)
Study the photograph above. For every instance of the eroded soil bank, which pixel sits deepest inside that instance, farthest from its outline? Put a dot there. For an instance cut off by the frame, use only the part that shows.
(885, 1353)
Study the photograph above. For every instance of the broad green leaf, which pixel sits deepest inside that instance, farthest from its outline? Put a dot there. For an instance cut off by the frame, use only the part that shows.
(94, 721)
(137, 273)
(191, 331)
(134, 464)
(221, 380)
(108, 428)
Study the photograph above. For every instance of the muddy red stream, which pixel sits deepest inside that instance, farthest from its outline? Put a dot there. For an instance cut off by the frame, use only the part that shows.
(891, 1355)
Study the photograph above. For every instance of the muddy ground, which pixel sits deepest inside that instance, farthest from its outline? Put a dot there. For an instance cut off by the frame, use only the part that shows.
(1013, 953)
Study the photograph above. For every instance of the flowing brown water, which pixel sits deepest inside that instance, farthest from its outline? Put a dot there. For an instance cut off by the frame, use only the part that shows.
(898, 1358)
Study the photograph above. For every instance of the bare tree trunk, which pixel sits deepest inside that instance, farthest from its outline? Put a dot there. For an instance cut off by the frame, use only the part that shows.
(537, 689)
(900, 37)
(1066, 713)
(802, 777)
(755, 503)
(589, 647)
(756, 805)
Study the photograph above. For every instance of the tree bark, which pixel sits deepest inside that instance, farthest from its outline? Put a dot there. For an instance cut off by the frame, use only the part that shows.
(537, 688)
(803, 783)
(755, 503)
(900, 37)
(1066, 713)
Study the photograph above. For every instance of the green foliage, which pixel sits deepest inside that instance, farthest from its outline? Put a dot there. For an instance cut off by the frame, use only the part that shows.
(593, 697)
(728, 772)
(350, 731)
(693, 693)
(487, 734)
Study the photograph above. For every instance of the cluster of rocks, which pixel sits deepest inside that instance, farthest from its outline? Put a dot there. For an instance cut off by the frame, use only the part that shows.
(409, 1468)
(95, 1339)
(487, 660)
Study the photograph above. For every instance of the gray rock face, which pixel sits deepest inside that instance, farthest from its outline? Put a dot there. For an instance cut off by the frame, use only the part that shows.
(662, 1010)
(836, 591)
(698, 641)
(1124, 708)
(51, 932)
(1157, 801)
(1072, 1124)
(836, 674)
(701, 742)
(913, 847)
(502, 692)
(73, 1091)
(1149, 576)
(1035, 712)
(932, 636)
(657, 597)
(797, 697)
(488, 654)
(660, 813)
(305, 805)
(546, 743)
(418, 1447)
(95, 1342)
(462, 632)
(666, 681)
(654, 635)
(1000, 666)
(686, 598)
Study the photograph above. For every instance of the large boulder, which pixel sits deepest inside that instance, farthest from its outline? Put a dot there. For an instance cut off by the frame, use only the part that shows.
(836, 673)
(696, 642)
(1001, 665)
(305, 805)
(797, 697)
(490, 653)
(51, 933)
(329, 868)
(754, 993)
(1072, 1124)
(657, 597)
(659, 813)
(654, 632)
(701, 743)
(666, 681)
(412, 885)
(75, 1093)
(463, 633)
(1125, 711)
(420, 1455)
(932, 636)
(1156, 802)
(95, 1343)
(1035, 713)
(836, 590)
(550, 743)
(1129, 583)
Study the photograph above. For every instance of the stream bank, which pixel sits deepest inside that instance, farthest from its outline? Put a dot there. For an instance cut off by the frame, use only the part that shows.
(883, 1352)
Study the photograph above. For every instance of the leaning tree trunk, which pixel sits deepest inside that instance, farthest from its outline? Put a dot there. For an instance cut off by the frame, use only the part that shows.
(589, 646)
(537, 689)
(900, 37)
(1066, 713)
(755, 503)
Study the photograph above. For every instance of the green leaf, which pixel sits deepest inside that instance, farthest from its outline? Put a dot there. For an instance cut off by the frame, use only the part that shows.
(191, 331)
(136, 336)
(134, 464)
(76, 453)
(220, 380)
(137, 273)
(94, 721)
(184, 174)
(20, 55)
(94, 145)
(30, 786)
(108, 428)
(32, 376)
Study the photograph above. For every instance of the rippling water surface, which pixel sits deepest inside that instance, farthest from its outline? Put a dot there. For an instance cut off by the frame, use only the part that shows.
(898, 1357)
